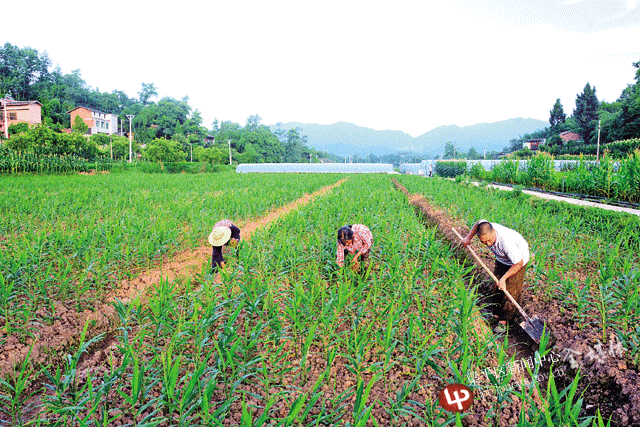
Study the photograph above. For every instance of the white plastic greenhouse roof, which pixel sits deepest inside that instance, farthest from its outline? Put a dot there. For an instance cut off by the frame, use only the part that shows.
(315, 168)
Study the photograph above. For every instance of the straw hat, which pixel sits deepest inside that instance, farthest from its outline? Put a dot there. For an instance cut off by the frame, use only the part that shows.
(219, 236)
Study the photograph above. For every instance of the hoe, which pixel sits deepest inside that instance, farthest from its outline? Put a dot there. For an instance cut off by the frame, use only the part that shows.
(533, 326)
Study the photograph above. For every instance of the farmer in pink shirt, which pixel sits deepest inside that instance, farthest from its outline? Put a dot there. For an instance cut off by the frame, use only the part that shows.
(355, 239)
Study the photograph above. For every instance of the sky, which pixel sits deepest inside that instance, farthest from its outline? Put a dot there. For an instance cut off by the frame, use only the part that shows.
(402, 65)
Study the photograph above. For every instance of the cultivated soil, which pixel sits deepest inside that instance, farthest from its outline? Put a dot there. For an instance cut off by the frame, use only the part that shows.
(609, 385)
(51, 343)
(608, 382)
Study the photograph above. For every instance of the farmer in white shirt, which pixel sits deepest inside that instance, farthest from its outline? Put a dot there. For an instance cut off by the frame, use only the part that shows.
(512, 256)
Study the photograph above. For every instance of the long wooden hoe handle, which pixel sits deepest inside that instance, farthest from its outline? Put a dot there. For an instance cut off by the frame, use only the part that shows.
(494, 278)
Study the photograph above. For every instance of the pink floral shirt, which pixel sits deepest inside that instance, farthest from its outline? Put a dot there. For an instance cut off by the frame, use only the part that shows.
(362, 241)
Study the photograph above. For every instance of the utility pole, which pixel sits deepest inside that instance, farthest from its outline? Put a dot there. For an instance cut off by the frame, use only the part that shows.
(310, 157)
(191, 152)
(130, 117)
(229, 141)
(111, 145)
(598, 149)
(6, 125)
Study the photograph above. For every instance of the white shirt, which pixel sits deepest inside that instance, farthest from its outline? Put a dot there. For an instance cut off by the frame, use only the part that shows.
(510, 247)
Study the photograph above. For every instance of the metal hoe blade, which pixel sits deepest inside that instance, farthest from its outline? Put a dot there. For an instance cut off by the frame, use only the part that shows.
(534, 327)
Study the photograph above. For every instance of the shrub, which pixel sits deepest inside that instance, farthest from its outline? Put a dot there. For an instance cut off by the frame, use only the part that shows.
(451, 169)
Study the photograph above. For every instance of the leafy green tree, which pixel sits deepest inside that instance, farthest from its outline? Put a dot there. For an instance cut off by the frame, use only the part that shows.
(17, 128)
(586, 111)
(293, 149)
(148, 90)
(22, 71)
(625, 121)
(120, 145)
(449, 151)
(80, 145)
(79, 126)
(557, 115)
(515, 144)
(473, 154)
(164, 150)
(253, 122)
(39, 139)
(210, 155)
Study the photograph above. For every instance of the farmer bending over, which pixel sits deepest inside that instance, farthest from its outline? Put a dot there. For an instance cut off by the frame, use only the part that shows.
(512, 256)
(354, 239)
(224, 233)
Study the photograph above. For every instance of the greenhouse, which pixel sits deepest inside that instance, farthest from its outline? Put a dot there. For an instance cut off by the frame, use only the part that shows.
(315, 168)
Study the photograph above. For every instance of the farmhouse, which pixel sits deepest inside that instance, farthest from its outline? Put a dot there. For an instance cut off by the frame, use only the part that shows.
(97, 121)
(568, 135)
(533, 144)
(12, 112)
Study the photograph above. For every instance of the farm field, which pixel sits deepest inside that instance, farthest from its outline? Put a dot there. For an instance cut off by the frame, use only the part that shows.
(73, 241)
(584, 282)
(287, 338)
(616, 181)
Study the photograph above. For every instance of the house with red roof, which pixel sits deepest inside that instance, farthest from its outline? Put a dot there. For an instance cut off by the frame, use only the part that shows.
(12, 112)
(568, 135)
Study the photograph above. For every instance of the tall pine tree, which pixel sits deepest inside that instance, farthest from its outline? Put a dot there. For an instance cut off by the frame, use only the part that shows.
(586, 111)
(557, 115)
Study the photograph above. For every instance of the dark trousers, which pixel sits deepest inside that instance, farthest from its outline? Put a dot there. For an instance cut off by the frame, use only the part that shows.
(500, 303)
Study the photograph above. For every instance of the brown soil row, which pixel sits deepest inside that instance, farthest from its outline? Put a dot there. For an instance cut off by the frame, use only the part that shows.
(51, 342)
(607, 382)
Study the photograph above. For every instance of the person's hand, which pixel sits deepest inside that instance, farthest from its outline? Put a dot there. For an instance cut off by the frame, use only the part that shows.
(502, 285)
(465, 242)
(355, 265)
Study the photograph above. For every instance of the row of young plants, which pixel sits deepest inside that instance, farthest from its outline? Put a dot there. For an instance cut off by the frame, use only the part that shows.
(70, 239)
(582, 254)
(12, 162)
(586, 259)
(287, 338)
(617, 180)
(617, 150)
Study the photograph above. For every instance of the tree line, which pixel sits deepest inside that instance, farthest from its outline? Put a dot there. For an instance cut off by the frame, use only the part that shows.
(612, 121)
(168, 129)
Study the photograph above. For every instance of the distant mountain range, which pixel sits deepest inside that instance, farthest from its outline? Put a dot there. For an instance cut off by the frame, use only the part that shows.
(346, 138)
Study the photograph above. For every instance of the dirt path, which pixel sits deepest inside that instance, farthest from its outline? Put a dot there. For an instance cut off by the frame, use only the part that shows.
(51, 342)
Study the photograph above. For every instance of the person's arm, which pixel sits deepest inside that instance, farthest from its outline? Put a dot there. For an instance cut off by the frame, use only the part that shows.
(516, 257)
(467, 240)
(235, 232)
(340, 255)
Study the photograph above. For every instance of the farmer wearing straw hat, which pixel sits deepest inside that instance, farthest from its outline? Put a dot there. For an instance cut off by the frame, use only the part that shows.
(512, 258)
(224, 232)
(354, 239)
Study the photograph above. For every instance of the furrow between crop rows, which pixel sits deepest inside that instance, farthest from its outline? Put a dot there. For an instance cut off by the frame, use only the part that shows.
(287, 338)
(584, 284)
